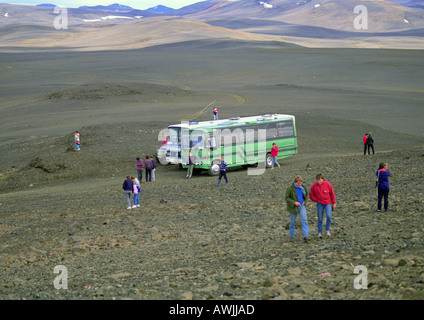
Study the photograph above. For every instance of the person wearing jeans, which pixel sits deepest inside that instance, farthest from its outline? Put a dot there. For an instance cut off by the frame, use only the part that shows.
(128, 190)
(329, 215)
(296, 196)
(323, 194)
(274, 154)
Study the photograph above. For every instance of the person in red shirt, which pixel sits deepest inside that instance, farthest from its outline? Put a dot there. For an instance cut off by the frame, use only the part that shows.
(364, 140)
(215, 113)
(274, 155)
(323, 194)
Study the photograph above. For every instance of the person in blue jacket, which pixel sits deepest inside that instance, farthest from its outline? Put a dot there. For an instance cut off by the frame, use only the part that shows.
(383, 175)
(222, 171)
(128, 190)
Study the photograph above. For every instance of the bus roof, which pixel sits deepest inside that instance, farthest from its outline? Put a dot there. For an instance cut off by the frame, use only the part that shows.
(233, 121)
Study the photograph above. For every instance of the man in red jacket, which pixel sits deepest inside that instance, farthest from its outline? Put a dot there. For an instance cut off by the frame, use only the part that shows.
(364, 140)
(323, 194)
(274, 155)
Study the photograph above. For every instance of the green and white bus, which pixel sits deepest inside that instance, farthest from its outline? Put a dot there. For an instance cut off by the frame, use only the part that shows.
(242, 141)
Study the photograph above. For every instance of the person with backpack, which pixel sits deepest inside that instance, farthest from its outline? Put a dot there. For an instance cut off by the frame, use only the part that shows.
(370, 143)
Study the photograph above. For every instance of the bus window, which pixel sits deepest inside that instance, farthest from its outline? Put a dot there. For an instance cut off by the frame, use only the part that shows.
(251, 133)
(197, 139)
(212, 142)
(271, 130)
(185, 142)
(285, 129)
(173, 137)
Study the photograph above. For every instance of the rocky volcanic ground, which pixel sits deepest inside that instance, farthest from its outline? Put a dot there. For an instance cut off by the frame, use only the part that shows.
(193, 240)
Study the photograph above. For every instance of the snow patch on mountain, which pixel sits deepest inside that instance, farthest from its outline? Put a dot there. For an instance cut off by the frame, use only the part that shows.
(266, 5)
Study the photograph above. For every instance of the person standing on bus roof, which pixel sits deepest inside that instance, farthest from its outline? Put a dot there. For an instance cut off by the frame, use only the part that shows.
(215, 113)
(222, 171)
(274, 155)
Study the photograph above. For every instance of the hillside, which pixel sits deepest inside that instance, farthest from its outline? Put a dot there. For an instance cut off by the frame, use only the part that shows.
(311, 23)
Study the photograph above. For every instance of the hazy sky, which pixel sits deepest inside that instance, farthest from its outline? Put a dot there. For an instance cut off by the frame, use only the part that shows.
(136, 4)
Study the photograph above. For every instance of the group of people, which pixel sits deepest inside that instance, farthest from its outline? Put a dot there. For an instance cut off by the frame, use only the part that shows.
(368, 141)
(222, 169)
(149, 166)
(296, 196)
(132, 186)
(323, 194)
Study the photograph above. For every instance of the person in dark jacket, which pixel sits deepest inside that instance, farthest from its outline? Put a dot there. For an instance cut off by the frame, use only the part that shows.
(128, 190)
(139, 165)
(222, 171)
(370, 143)
(148, 166)
(190, 165)
(383, 175)
(296, 197)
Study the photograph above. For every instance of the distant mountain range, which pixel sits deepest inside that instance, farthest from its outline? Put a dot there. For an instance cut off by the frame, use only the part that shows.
(116, 7)
(323, 22)
(410, 3)
(201, 4)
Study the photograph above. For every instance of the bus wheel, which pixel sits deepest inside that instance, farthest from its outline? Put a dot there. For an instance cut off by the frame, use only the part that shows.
(268, 160)
(214, 169)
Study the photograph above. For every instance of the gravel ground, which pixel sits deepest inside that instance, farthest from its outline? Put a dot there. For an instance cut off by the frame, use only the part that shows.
(193, 240)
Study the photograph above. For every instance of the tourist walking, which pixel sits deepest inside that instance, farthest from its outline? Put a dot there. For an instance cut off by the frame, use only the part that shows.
(383, 186)
(323, 194)
(148, 165)
(274, 155)
(77, 138)
(136, 192)
(370, 143)
(139, 166)
(190, 165)
(296, 196)
(128, 190)
(222, 171)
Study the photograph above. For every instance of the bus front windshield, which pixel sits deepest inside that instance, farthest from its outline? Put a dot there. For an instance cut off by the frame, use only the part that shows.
(173, 136)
